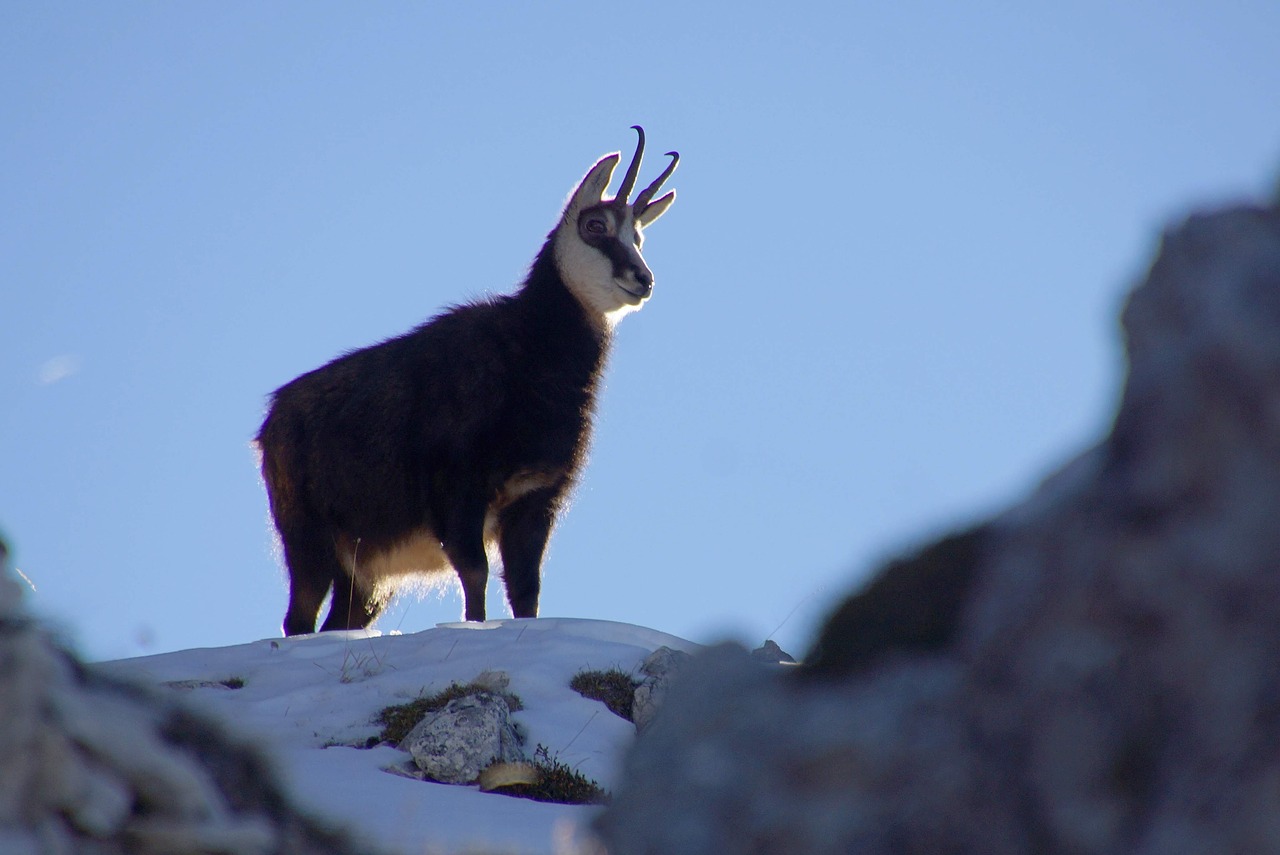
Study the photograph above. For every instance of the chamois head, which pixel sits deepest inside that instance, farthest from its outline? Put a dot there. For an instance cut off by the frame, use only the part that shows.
(597, 243)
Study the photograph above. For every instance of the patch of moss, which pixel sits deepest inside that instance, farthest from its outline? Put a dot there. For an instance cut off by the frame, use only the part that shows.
(398, 719)
(614, 688)
(233, 683)
(557, 783)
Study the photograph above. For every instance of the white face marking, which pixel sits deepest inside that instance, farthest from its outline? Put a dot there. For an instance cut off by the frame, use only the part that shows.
(589, 272)
(597, 244)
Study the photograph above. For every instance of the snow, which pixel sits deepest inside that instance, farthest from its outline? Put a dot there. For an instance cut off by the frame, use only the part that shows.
(310, 702)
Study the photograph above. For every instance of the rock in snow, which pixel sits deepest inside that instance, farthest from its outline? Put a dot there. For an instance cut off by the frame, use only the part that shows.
(1095, 671)
(455, 744)
(658, 669)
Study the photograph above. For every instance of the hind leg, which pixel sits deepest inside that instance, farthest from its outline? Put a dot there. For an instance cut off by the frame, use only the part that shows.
(305, 599)
(351, 607)
(311, 568)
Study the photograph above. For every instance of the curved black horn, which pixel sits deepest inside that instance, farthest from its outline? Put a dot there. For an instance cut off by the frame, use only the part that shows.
(634, 169)
(649, 192)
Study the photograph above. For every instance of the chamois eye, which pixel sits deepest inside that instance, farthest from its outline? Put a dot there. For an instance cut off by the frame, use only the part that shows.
(596, 226)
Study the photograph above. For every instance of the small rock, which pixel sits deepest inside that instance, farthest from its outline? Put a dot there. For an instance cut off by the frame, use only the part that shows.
(660, 666)
(492, 681)
(772, 653)
(454, 744)
(663, 661)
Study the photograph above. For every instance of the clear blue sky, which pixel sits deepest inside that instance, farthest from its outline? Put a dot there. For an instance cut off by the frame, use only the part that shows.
(885, 299)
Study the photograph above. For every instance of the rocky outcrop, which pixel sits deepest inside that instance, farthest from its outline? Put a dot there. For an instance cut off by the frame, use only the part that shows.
(91, 765)
(1095, 671)
(771, 653)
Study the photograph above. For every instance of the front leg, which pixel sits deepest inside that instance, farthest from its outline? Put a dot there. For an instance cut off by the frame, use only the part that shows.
(463, 543)
(524, 527)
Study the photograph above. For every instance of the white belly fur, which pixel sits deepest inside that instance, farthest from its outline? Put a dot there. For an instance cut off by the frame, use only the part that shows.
(419, 557)
(383, 572)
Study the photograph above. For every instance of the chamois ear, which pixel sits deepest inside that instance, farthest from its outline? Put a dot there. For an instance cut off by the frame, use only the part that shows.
(591, 190)
(656, 208)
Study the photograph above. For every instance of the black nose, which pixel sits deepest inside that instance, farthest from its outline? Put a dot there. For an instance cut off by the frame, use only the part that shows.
(644, 277)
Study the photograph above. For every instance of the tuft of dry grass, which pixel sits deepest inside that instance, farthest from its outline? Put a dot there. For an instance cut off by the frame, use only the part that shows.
(614, 688)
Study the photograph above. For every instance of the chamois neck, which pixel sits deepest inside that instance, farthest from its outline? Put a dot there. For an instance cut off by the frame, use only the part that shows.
(549, 300)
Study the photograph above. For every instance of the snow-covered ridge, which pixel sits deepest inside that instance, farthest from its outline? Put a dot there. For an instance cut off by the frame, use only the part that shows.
(309, 700)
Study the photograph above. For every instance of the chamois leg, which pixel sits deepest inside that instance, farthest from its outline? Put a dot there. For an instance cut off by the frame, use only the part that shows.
(311, 564)
(525, 527)
(463, 543)
(351, 607)
(305, 598)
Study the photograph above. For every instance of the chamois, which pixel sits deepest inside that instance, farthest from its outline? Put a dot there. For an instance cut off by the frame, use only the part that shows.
(412, 456)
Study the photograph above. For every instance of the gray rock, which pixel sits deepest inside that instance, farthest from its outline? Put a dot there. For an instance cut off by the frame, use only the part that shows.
(89, 764)
(659, 668)
(1093, 671)
(492, 681)
(771, 653)
(456, 743)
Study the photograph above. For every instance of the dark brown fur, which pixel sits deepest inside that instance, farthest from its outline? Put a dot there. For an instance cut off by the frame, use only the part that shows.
(425, 432)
